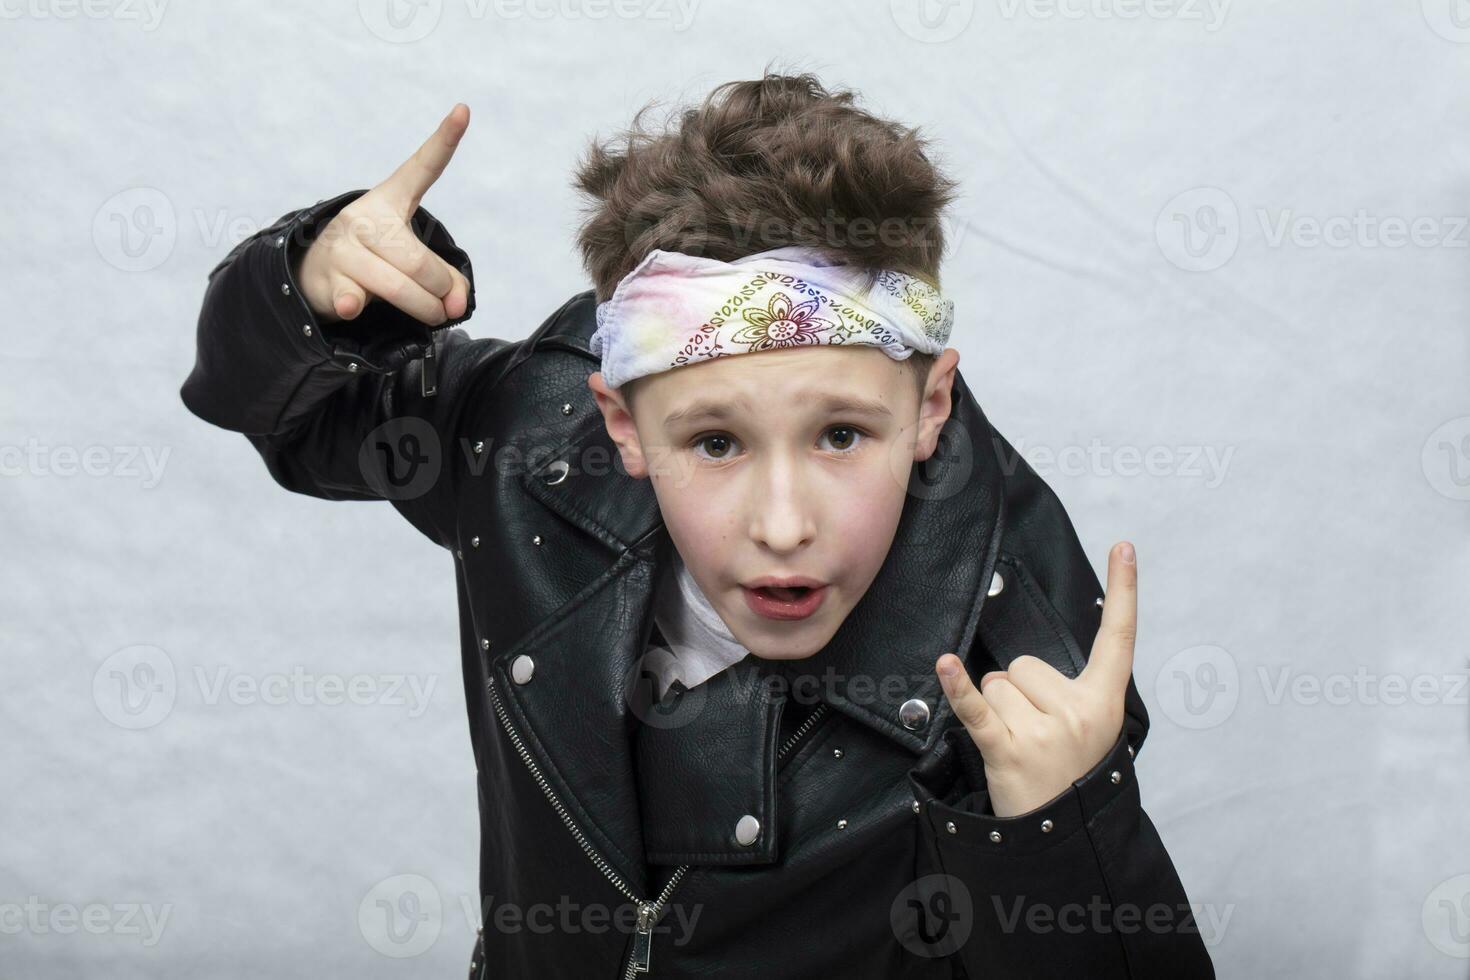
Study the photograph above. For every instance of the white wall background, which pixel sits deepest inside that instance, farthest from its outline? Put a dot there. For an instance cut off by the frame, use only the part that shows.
(1298, 401)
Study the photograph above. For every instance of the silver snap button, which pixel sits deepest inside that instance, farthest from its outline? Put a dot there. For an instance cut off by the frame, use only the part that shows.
(557, 472)
(1116, 777)
(285, 289)
(475, 541)
(913, 714)
(1130, 751)
(747, 829)
(306, 329)
(484, 643)
(995, 837)
(949, 826)
(997, 583)
(567, 409)
(280, 240)
(1046, 826)
(1098, 602)
(916, 806)
(842, 825)
(479, 447)
(522, 668)
(836, 753)
(352, 366)
(536, 540)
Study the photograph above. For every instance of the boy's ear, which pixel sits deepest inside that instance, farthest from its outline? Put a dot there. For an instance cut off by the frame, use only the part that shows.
(935, 406)
(619, 422)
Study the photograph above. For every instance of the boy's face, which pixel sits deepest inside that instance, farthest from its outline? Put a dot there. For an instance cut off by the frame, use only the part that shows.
(784, 463)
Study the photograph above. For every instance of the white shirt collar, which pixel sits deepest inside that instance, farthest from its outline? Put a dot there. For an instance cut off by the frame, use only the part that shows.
(700, 642)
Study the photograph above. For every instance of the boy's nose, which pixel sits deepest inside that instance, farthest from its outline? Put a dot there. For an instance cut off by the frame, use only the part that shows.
(783, 516)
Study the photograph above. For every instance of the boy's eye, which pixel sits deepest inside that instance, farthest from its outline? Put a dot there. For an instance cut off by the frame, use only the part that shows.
(719, 446)
(846, 436)
(721, 441)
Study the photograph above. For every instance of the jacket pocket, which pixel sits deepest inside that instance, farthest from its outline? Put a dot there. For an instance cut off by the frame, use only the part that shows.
(1020, 619)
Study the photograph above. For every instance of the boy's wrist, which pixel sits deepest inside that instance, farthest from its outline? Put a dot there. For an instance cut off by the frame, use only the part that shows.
(971, 822)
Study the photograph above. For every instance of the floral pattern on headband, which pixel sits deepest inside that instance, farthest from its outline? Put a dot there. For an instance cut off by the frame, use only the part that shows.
(933, 310)
(782, 325)
(675, 309)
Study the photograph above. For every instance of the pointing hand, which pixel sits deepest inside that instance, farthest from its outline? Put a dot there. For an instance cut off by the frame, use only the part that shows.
(369, 250)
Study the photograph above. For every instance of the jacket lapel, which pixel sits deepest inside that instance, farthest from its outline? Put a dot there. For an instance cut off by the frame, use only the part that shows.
(572, 713)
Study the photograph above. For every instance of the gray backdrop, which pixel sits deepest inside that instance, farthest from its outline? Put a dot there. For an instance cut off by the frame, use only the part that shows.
(1209, 274)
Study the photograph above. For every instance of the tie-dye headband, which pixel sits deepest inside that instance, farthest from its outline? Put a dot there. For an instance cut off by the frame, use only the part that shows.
(675, 309)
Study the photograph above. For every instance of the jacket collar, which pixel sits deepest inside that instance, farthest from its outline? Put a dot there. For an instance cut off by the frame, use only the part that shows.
(924, 601)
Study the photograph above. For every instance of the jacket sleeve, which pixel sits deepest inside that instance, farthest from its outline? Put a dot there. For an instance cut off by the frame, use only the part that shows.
(1081, 886)
(352, 410)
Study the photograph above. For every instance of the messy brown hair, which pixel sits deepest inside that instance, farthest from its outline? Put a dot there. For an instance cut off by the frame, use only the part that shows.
(778, 160)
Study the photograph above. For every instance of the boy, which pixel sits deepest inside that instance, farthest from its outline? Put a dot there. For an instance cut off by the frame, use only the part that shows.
(704, 470)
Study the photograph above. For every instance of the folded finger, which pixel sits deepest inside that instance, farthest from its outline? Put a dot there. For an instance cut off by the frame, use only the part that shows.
(414, 259)
(386, 282)
(1008, 703)
(1042, 684)
(458, 299)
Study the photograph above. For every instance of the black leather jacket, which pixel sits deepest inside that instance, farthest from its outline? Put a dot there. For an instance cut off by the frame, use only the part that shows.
(877, 854)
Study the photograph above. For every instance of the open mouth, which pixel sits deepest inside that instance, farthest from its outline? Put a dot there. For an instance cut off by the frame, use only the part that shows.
(785, 602)
(785, 595)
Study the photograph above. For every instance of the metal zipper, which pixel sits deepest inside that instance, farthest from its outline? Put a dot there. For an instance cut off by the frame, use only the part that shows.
(648, 916)
(429, 370)
(648, 912)
(817, 713)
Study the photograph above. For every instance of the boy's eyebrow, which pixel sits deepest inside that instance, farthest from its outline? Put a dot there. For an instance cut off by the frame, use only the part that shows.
(718, 411)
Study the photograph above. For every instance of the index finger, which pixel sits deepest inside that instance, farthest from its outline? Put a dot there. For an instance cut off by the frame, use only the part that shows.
(417, 174)
(1111, 662)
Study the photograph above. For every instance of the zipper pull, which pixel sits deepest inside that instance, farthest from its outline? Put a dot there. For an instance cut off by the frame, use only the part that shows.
(429, 377)
(643, 941)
